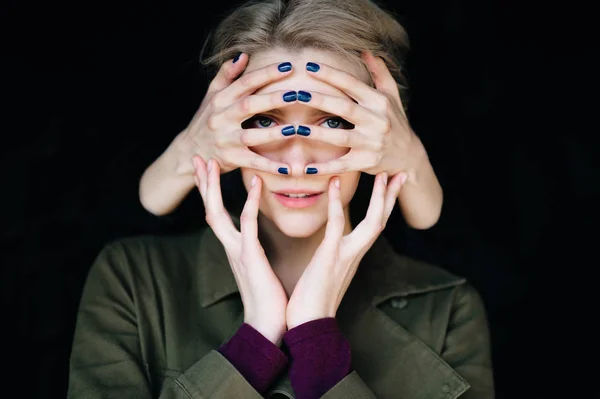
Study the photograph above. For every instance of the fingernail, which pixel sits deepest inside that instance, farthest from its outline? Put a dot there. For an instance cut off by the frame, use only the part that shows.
(337, 182)
(210, 161)
(304, 96)
(283, 171)
(288, 130)
(311, 171)
(253, 180)
(385, 177)
(303, 130)
(195, 163)
(290, 96)
(285, 66)
(237, 57)
(312, 67)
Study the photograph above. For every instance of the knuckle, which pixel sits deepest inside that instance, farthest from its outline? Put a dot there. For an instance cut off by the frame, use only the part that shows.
(245, 217)
(347, 107)
(216, 100)
(245, 104)
(212, 122)
(247, 80)
(345, 138)
(386, 125)
(245, 137)
(385, 102)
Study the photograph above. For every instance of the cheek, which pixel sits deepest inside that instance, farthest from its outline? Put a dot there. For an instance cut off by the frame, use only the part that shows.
(348, 183)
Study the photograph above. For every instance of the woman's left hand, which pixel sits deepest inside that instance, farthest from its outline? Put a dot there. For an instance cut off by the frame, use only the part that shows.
(319, 291)
(382, 139)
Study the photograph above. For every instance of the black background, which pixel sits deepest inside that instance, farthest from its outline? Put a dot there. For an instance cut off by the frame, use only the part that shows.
(98, 90)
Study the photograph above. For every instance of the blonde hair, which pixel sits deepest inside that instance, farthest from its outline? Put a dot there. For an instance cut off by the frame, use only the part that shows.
(343, 27)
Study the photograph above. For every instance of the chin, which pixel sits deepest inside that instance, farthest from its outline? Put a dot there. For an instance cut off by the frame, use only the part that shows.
(299, 224)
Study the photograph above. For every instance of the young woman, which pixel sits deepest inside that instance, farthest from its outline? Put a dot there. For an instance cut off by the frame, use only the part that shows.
(290, 299)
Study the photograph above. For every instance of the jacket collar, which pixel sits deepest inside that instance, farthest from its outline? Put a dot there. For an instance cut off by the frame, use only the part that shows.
(382, 272)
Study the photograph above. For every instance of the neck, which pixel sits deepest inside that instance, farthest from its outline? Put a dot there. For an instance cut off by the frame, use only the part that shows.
(289, 256)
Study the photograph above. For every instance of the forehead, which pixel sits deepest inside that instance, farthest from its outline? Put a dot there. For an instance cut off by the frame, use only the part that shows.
(299, 79)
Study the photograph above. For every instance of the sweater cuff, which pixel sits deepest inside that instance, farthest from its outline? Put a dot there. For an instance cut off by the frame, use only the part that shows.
(255, 357)
(320, 357)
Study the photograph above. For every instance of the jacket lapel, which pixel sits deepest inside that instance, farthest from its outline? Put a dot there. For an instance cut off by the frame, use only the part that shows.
(393, 362)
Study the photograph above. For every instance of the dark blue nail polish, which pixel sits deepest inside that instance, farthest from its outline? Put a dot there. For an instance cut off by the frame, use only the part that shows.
(304, 96)
(288, 130)
(237, 57)
(312, 67)
(290, 96)
(303, 130)
(311, 171)
(285, 66)
(283, 171)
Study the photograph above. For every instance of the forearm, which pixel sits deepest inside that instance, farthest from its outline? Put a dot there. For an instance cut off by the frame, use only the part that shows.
(167, 181)
(421, 197)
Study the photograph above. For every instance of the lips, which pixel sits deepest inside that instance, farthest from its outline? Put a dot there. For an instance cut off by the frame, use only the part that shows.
(297, 198)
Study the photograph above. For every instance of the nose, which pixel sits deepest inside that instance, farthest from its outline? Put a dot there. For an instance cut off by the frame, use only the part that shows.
(297, 153)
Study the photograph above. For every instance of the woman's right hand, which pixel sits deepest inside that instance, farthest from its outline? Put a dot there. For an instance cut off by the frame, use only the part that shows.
(265, 300)
(215, 131)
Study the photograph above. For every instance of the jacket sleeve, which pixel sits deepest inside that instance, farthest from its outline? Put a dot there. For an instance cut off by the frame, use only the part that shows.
(467, 345)
(106, 359)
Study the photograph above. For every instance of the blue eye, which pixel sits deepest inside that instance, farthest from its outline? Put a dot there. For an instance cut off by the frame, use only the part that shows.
(338, 123)
(263, 121)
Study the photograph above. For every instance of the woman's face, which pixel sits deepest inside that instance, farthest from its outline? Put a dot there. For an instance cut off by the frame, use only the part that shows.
(294, 217)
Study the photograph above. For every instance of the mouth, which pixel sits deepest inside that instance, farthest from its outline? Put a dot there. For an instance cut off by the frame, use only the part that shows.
(298, 198)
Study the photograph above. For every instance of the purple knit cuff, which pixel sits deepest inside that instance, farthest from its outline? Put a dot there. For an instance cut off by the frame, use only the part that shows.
(255, 357)
(320, 357)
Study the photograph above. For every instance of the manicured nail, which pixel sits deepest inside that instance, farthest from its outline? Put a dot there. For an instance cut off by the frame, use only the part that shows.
(195, 163)
(337, 182)
(283, 171)
(290, 96)
(253, 181)
(237, 57)
(288, 130)
(385, 177)
(210, 161)
(312, 67)
(303, 130)
(304, 96)
(311, 171)
(285, 66)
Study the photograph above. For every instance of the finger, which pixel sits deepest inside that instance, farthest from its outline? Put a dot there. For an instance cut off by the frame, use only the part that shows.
(255, 104)
(200, 176)
(344, 107)
(336, 220)
(340, 137)
(247, 158)
(227, 73)
(252, 81)
(351, 162)
(216, 215)
(346, 82)
(249, 216)
(382, 77)
(258, 136)
(391, 196)
(372, 224)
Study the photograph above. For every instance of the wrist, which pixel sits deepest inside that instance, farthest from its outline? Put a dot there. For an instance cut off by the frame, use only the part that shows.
(180, 155)
(417, 161)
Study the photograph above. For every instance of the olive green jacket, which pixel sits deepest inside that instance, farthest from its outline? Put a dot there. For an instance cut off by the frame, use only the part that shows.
(155, 310)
